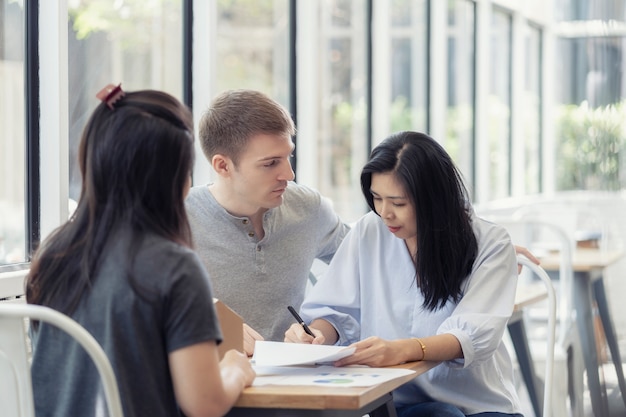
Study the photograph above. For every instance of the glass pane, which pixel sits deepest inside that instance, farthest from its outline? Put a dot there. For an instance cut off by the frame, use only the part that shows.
(340, 12)
(342, 105)
(401, 12)
(253, 47)
(409, 66)
(532, 110)
(590, 69)
(568, 10)
(134, 42)
(12, 139)
(499, 106)
(460, 109)
(591, 119)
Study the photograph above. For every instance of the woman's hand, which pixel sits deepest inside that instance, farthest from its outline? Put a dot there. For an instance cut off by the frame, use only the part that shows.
(376, 352)
(236, 369)
(296, 334)
(520, 250)
(325, 333)
(204, 385)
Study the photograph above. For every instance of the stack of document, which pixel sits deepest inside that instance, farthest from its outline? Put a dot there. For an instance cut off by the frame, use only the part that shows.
(279, 363)
(289, 354)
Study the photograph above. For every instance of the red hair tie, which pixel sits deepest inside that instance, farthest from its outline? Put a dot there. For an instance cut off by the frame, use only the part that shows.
(110, 94)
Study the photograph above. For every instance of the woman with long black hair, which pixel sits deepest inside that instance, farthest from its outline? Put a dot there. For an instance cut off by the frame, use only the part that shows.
(420, 277)
(123, 267)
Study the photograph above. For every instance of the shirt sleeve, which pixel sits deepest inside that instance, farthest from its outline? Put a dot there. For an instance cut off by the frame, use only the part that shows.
(480, 318)
(190, 315)
(331, 229)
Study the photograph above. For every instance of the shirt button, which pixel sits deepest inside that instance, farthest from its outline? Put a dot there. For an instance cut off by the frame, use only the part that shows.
(258, 249)
(245, 221)
(251, 234)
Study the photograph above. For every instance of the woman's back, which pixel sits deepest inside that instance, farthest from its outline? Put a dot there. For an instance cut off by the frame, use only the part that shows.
(137, 329)
(122, 267)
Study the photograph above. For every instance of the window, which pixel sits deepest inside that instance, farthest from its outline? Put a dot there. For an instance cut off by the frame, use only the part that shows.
(339, 72)
(112, 42)
(252, 47)
(333, 105)
(408, 66)
(342, 80)
(13, 232)
(499, 106)
(590, 117)
(460, 101)
(531, 106)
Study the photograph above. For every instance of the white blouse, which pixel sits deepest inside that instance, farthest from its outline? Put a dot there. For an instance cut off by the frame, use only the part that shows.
(369, 289)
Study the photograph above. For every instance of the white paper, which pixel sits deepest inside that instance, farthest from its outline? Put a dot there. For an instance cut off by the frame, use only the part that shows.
(326, 376)
(287, 354)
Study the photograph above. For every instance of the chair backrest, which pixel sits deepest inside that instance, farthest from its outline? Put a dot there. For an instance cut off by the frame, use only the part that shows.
(524, 232)
(16, 394)
(551, 332)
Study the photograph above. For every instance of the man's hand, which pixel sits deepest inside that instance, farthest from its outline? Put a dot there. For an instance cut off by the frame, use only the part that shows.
(249, 337)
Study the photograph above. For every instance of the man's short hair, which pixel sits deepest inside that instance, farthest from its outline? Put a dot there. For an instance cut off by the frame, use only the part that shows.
(235, 116)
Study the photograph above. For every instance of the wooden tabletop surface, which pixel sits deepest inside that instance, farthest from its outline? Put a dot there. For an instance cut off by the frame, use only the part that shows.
(321, 398)
(583, 260)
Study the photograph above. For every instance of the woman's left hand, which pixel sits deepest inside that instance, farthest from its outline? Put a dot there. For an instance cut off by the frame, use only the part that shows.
(520, 250)
(374, 351)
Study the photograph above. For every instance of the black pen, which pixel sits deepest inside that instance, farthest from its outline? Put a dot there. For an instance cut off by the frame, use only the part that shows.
(299, 320)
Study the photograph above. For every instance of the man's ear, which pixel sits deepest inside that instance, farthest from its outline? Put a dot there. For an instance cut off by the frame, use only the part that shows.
(222, 165)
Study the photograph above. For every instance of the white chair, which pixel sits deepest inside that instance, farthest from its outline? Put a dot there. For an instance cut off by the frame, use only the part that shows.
(567, 354)
(16, 396)
(551, 333)
(539, 226)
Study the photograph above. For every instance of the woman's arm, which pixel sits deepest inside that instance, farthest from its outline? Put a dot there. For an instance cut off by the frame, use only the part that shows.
(205, 386)
(375, 351)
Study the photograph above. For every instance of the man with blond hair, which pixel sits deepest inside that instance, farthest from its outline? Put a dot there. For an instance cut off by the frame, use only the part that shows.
(256, 231)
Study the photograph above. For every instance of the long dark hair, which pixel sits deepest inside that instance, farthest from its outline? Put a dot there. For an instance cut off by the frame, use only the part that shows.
(446, 242)
(135, 161)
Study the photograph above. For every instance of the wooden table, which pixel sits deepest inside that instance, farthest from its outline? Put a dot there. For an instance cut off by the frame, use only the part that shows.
(588, 287)
(309, 401)
(583, 260)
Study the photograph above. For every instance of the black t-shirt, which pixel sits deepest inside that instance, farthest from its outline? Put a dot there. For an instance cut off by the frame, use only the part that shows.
(165, 306)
